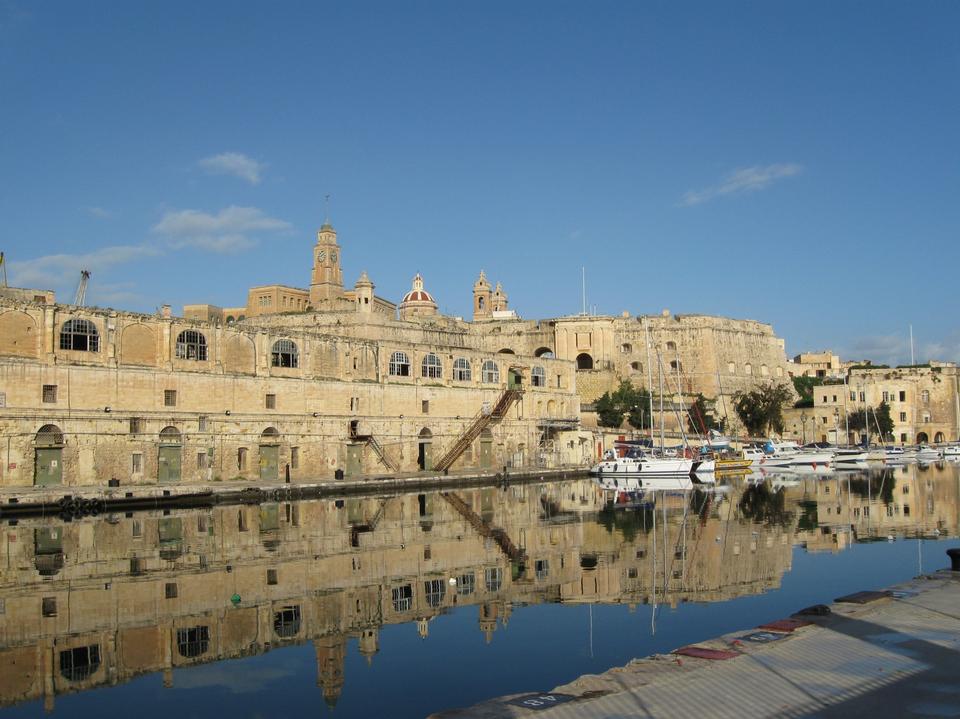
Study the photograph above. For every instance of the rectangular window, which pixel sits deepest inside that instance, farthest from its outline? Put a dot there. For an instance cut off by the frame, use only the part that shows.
(863, 397)
(425, 406)
(136, 463)
(136, 529)
(136, 425)
(201, 460)
(886, 396)
(49, 605)
(50, 393)
(294, 457)
(242, 520)
(271, 576)
(903, 396)
(834, 399)
(558, 381)
(242, 458)
(201, 424)
(169, 398)
(171, 590)
(903, 416)
(903, 438)
(271, 401)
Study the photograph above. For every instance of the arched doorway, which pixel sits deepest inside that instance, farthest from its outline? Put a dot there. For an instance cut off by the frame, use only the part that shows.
(48, 456)
(922, 438)
(486, 449)
(938, 438)
(544, 352)
(424, 450)
(270, 454)
(584, 361)
(168, 455)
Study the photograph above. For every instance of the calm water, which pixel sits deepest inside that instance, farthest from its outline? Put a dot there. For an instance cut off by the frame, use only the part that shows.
(287, 609)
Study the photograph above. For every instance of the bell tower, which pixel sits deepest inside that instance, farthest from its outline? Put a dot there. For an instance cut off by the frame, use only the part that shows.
(326, 280)
(481, 298)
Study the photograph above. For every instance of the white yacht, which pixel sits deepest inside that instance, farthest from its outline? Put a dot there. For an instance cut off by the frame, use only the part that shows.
(952, 450)
(926, 453)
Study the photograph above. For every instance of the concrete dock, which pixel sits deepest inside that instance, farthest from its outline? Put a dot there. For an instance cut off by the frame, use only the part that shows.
(78, 500)
(892, 653)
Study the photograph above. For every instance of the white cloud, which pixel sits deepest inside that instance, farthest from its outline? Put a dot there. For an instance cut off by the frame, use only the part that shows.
(745, 179)
(62, 272)
(233, 163)
(100, 213)
(894, 349)
(227, 231)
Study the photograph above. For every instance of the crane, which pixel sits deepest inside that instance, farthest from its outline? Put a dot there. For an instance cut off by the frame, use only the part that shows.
(82, 288)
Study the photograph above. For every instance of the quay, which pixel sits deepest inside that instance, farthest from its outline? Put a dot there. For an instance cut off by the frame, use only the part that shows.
(890, 653)
(75, 501)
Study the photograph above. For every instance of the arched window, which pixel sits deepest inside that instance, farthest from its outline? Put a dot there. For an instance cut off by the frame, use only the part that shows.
(731, 368)
(636, 367)
(461, 370)
(431, 367)
(676, 366)
(544, 352)
(193, 641)
(490, 373)
(671, 346)
(764, 370)
(169, 435)
(925, 396)
(626, 348)
(779, 371)
(231, 319)
(584, 361)
(506, 351)
(748, 369)
(192, 345)
(79, 336)
(49, 435)
(285, 354)
(399, 364)
(79, 663)
(538, 377)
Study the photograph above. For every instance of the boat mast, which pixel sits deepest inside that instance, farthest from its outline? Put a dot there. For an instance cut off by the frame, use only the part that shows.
(660, 373)
(646, 333)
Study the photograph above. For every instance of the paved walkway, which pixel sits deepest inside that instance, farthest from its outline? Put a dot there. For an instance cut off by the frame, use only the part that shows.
(896, 656)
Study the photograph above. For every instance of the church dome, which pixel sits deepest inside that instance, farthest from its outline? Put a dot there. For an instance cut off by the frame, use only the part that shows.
(417, 301)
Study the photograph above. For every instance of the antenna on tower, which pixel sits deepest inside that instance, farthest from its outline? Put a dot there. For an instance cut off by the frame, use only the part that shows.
(326, 209)
(583, 285)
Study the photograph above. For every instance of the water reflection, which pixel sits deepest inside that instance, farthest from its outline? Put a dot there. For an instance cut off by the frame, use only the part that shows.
(100, 601)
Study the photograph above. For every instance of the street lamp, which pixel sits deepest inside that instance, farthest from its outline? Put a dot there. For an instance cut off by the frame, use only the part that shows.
(836, 425)
(803, 421)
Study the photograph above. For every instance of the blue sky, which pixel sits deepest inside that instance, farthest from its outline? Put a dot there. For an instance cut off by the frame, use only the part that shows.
(796, 163)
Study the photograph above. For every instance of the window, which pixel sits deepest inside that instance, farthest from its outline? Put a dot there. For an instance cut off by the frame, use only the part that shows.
(903, 438)
(834, 399)
(294, 457)
(201, 460)
(925, 396)
(402, 598)
(853, 396)
(136, 463)
(284, 354)
(431, 367)
(764, 371)
(886, 396)
(425, 406)
(79, 336)
(201, 424)
(271, 576)
(461, 370)
(748, 369)
(286, 622)
(399, 364)
(731, 368)
(242, 458)
(903, 416)
(49, 606)
(50, 393)
(925, 417)
(466, 584)
(671, 346)
(191, 345)
(626, 348)
(79, 663)
(903, 396)
(490, 373)
(863, 396)
(193, 642)
(636, 367)
(271, 401)
(542, 567)
(676, 366)
(538, 377)
(435, 590)
(493, 579)
(906, 510)
(136, 528)
(171, 590)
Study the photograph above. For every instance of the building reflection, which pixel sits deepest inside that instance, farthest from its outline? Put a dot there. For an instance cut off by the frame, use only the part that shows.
(100, 601)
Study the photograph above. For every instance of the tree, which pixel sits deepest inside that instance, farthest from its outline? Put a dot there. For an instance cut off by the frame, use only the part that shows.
(876, 419)
(761, 409)
(699, 418)
(884, 421)
(625, 400)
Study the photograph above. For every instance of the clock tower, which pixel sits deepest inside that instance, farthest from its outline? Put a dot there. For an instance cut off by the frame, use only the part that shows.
(326, 280)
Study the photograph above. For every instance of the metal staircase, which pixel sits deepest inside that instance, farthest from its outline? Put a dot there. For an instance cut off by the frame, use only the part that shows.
(514, 553)
(480, 421)
(378, 449)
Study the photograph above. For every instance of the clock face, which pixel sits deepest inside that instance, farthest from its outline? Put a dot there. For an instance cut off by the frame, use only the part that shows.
(321, 255)
(333, 256)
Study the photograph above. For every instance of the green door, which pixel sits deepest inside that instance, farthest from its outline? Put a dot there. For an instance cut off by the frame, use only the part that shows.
(486, 453)
(168, 464)
(354, 460)
(269, 462)
(48, 466)
(425, 456)
(269, 517)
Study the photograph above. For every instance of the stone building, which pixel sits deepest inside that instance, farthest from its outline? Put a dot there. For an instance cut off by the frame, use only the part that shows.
(924, 403)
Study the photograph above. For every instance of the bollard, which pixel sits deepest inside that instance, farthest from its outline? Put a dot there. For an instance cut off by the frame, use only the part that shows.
(954, 555)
